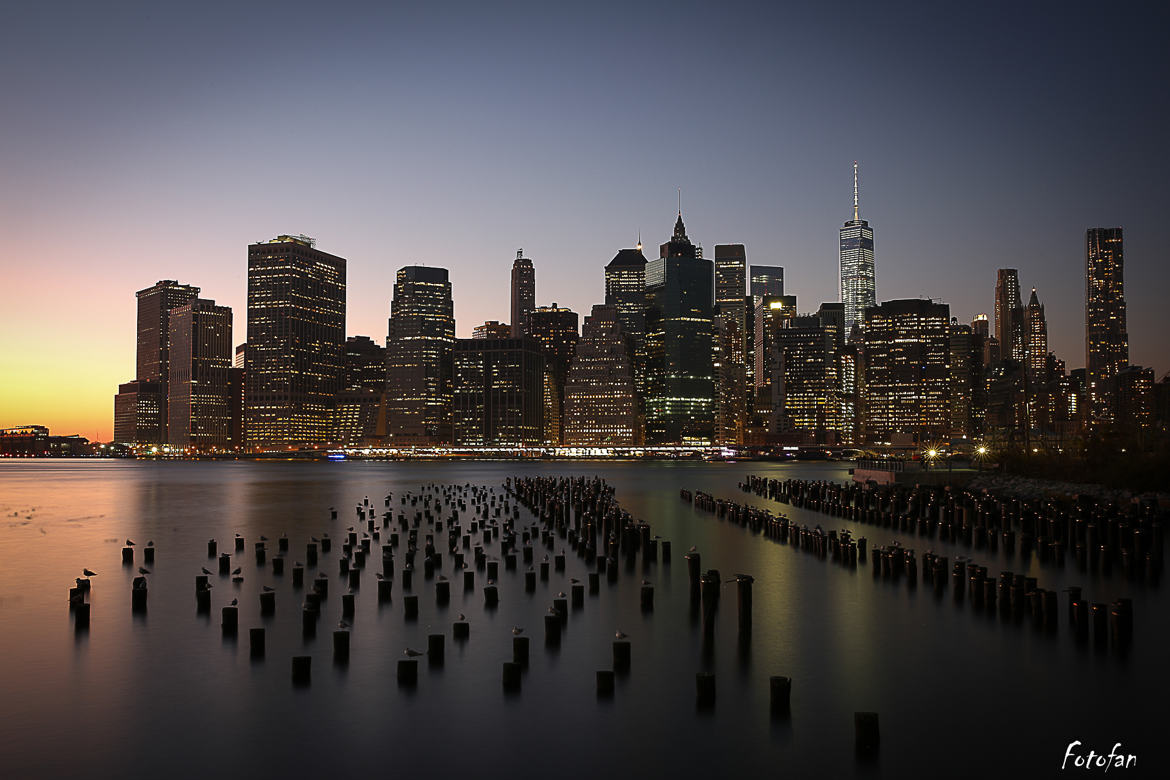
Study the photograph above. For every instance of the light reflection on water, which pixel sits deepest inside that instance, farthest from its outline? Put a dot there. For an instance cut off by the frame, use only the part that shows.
(166, 692)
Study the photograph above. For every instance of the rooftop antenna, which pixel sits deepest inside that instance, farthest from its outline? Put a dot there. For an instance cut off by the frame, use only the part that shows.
(519, 254)
(639, 239)
(855, 209)
(680, 201)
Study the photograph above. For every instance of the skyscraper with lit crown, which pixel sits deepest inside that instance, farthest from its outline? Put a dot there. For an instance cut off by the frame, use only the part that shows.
(857, 268)
(523, 293)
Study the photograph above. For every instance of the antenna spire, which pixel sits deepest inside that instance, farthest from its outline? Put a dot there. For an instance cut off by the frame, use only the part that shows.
(856, 212)
(639, 239)
(680, 201)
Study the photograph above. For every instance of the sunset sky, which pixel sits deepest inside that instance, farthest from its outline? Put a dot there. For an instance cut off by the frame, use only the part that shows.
(144, 143)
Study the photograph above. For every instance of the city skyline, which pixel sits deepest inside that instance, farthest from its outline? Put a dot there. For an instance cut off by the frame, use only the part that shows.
(565, 161)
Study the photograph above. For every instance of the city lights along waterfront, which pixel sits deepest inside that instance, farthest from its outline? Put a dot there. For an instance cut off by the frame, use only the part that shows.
(165, 681)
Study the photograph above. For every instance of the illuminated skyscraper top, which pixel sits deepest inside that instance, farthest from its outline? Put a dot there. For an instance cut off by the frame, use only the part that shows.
(857, 271)
(523, 293)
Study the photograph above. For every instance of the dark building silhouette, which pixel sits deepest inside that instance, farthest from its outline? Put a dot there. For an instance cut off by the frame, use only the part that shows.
(1106, 335)
(296, 330)
(1009, 315)
(499, 391)
(418, 352)
(523, 293)
(153, 359)
(555, 329)
(601, 406)
(492, 329)
(765, 280)
(363, 364)
(680, 375)
(199, 404)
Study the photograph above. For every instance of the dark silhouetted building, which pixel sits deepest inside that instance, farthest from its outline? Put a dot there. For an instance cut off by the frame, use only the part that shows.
(765, 280)
(680, 376)
(1106, 336)
(499, 392)
(418, 350)
(154, 307)
(296, 332)
(523, 293)
(492, 329)
(363, 364)
(555, 329)
(1009, 316)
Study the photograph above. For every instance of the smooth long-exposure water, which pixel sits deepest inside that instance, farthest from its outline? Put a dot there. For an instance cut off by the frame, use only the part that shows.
(959, 693)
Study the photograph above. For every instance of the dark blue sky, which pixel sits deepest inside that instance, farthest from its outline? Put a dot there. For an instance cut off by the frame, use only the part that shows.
(142, 143)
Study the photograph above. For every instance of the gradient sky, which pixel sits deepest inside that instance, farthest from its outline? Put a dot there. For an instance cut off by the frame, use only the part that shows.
(143, 142)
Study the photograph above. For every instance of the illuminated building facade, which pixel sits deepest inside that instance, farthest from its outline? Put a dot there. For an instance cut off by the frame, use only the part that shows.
(498, 392)
(296, 332)
(358, 416)
(625, 290)
(1036, 339)
(418, 351)
(772, 312)
(858, 291)
(199, 397)
(492, 329)
(600, 400)
(906, 378)
(523, 293)
(731, 342)
(1009, 316)
(1106, 336)
(680, 374)
(363, 364)
(765, 280)
(804, 381)
(137, 413)
(555, 329)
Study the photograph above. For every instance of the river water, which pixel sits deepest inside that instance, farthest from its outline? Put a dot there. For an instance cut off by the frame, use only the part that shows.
(165, 694)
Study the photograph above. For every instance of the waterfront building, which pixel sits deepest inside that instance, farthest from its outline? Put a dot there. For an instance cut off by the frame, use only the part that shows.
(555, 329)
(625, 290)
(499, 392)
(296, 331)
(137, 415)
(680, 375)
(1009, 316)
(153, 339)
(1106, 336)
(199, 400)
(419, 344)
(601, 407)
(907, 379)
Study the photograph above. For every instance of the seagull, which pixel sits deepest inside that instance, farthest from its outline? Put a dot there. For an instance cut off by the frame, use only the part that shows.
(517, 630)
(237, 579)
(342, 624)
(619, 635)
(89, 573)
(263, 538)
(268, 589)
(150, 543)
(461, 616)
(312, 538)
(693, 548)
(379, 576)
(646, 582)
(235, 602)
(574, 580)
(129, 543)
(238, 570)
(560, 594)
(412, 653)
(442, 578)
(237, 534)
(553, 611)
(143, 571)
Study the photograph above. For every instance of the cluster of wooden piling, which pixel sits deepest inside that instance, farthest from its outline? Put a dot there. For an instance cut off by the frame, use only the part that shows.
(1013, 596)
(1107, 538)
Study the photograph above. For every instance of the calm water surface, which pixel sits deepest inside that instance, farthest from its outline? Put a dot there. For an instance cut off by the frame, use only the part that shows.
(165, 694)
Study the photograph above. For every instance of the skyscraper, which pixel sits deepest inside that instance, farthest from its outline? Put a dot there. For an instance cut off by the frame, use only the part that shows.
(625, 290)
(498, 392)
(600, 403)
(363, 364)
(1106, 337)
(765, 280)
(1036, 335)
(199, 396)
(731, 342)
(492, 329)
(418, 353)
(137, 419)
(1009, 315)
(153, 360)
(806, 398)
(907, 378)
(680, 383)
(555, 329)
(296, 331)
(523, 292)
(857, 268)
